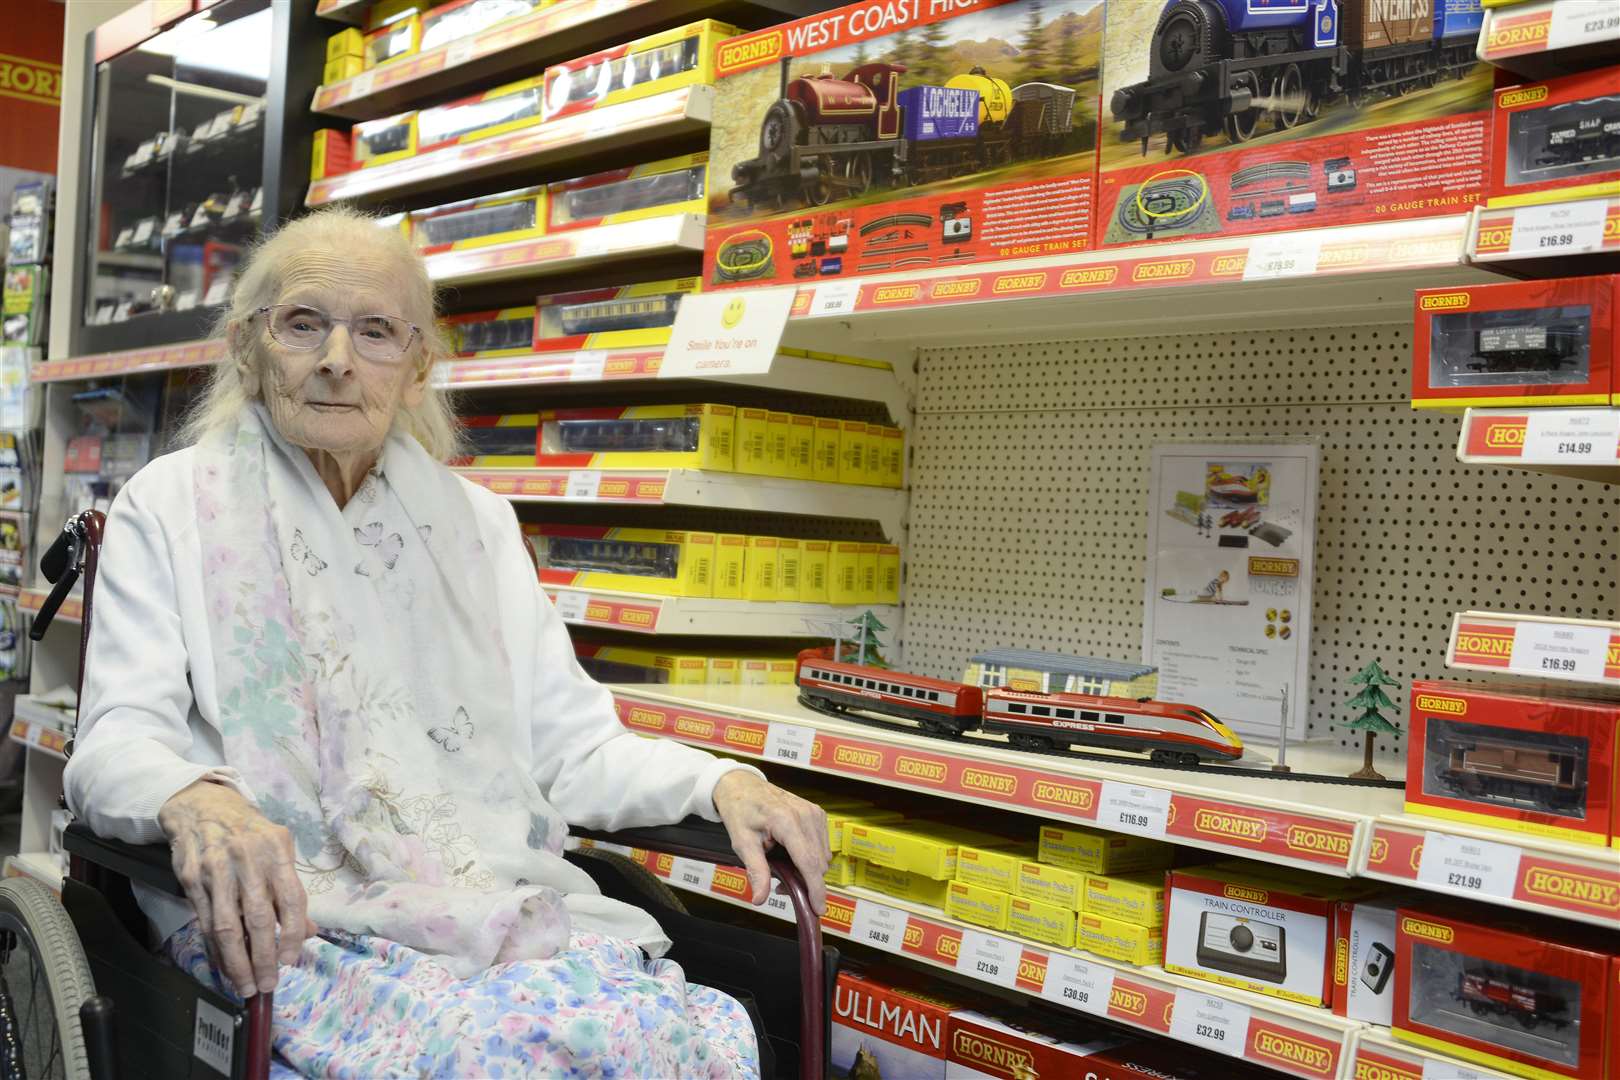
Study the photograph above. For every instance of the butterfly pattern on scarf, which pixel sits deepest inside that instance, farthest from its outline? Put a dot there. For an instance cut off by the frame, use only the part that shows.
(301, 554)
(454, 735)
(387, 548)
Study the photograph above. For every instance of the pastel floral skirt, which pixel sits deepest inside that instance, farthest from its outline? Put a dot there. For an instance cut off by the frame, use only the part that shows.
(361, 1007)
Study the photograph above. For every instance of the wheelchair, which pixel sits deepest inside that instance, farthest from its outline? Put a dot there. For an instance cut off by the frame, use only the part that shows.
(83, 996)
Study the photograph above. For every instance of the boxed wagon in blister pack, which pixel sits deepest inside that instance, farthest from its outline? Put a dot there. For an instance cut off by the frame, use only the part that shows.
(903, 135)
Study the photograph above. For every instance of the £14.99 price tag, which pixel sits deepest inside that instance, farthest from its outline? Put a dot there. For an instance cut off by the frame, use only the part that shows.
(1134, 809)
(791, 743)
(993, 959)
(1568, 228)
(692, 874)
(1477, 866)
(1078, 984)
(1210, 1021)
(1557, 435)
(837, 298)
(1559, 650)
(878, 925)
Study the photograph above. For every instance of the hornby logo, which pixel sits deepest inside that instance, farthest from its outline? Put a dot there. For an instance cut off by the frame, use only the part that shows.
(1227, 265)
(1341, 961)
(1096, 275)
(944, 289)
(1274, 567)
(1011, 283)
(840, 915)
(910, 768)
(1048, 791)
(1501, 434)
(1427, 930)
(748, 52)
(1380, 851)
(1246, 894)
(1573, 888)
(1342, 255)
(895, 294)
(856, 758)
(645, 718)
(1129, 1002)
(1169, 270)
(988, 1053)
(695, 727)
(1529, 95)
(602, 613)
(1320, 841)
(1229, 826)
(1032, 969)
(993, 782)
(730, 880)
(913, 936)
(1444, 302)
(1434, 703)
(1485, 646)
(663, 865)
(752, 738)
(1378, 1070)
(947, 947)
(1278, 1047)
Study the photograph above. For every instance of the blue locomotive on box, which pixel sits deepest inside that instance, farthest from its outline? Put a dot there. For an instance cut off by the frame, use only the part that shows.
(1225, 65)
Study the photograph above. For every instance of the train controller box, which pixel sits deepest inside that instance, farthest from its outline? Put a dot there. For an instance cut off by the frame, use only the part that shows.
(903, 136)
(1232, 117)
(1556, 140)
(1364, 958)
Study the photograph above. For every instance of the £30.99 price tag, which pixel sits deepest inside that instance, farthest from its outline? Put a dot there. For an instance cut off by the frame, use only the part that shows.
(779, 905)
(878, 925)
(1555, 435)
(1569, 228)
(993, 959)
(1478, 866)
(1559, 650)
(1133, 809)
(692, 874)
(1078, 984)
(1210, 1021)
(838, 298)
(791, 743)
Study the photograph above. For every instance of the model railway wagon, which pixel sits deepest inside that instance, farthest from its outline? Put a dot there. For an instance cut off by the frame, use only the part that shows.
(828, 138)
(1486, 994)
(1500, 350)
(1224, 65)
(1549, 779)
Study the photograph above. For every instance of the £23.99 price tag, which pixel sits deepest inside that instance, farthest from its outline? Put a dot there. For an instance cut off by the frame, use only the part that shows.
(791, 743)
(878, 925)
(837, 298)
(993, 959)
(1133, 809)
(1570, 228)
(1210, 1022)
(1078, 984)
(1560, 651)
(1579, 22)
(1478, 866)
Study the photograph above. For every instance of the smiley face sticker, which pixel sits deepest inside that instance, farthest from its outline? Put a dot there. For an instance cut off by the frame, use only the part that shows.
(732, 313)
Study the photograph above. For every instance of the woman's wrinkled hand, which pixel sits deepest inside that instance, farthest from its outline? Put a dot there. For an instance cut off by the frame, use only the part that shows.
(236, 866)
(759, 815)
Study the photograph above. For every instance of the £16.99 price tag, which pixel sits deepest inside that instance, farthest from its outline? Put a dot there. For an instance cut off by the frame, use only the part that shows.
(692, 874)
(878, 925)
(791, 743)
(1567, 228)
(993, 959)
(1209, 1021)
(1078, 984)
(1559, 650)
(1465, 865)
(1134, 809)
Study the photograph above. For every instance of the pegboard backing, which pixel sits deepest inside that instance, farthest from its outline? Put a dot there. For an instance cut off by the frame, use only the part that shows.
(1029, 500)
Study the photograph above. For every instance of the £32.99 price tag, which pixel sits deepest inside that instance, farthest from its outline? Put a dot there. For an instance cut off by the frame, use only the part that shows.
(993, 959)
(791, 743)
(692, 874)
(1572, 435)
(1569, 228)
(1478, 866)
(878, 925)
(1211, 1022)
(1559, 650)
(837, 298)
(1134, 809)
(1078, 984)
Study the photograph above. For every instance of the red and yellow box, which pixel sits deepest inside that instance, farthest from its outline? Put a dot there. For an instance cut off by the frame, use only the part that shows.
(488, 219)
(507, 332)
(460, 18)
(665, 562)
(1534, 998)
(623, 437)
(499, 111)
(675, 185)
(1556, 140)
(396, 41)
(615, 317)
(1514, 759)
(650, 65)
(977, 905)
(1549, 342)
(330, 154)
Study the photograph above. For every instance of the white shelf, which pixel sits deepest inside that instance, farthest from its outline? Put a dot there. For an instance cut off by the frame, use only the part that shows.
(39, 865)
(643, 614)
(1490, 240)
(1582, 443)
(570, 252)
(37, 736)
(158, 358)
(697, 487)
(1378, 1054)
(1544, 38)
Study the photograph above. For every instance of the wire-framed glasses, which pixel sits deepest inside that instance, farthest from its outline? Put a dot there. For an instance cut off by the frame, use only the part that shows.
(379, 338)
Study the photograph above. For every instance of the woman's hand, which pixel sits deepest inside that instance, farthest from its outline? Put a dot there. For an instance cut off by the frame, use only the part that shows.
(237, 869)
(760, 815)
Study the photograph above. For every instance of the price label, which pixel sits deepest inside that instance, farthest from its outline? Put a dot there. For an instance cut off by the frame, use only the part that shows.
(617, 849)
(583, 483)
(1435, 1069)
(790, 743)
(1456, 862)
(1078, 984)
(837, 298)
(691, 874)
(1133, 809)
(779, 905)
(1210, 1022)
(587, 367)
(360, 85)
(880, 926)
(459, 51)
(1577, 22)
(1281, 255)
(1570, 228)
(123, 236)
(1572, 434)
(993, 959)
(571, 606)
(1559, 651)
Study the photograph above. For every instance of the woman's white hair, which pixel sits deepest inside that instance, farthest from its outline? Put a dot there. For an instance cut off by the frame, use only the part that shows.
(432, 423)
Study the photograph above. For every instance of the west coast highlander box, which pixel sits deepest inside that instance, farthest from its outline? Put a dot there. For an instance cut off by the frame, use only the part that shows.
(1243, 116)
(903, 134)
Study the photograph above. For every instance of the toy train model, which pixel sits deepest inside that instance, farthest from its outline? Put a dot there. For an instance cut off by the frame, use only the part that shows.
(1500, 350)
(1577, 136)
(1483, 767)
(828, 138)
(1168, 733)
(1486, 994)
(1217, 65)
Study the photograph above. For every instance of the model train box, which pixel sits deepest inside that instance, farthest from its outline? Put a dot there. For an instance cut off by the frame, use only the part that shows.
(1364, 959)
(664, 562)
(1529, 997)
(612, 437)
(1556, 140)
(505, 332)
(1548, 342)
(673, 186)
(624, 664)
(1228, 117)
(895, 136)
(650, 65)
(985, 1048)
(1515, 760)
(612, 317)
(504, 109)
(884, 1030)
(488, 219)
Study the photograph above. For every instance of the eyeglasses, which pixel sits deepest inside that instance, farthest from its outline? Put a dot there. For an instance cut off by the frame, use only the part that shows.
(379, 338)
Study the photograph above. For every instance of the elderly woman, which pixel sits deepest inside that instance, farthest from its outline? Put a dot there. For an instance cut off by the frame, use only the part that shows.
(323, 670)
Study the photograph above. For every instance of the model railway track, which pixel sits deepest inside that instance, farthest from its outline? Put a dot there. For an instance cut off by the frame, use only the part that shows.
(1081, 755)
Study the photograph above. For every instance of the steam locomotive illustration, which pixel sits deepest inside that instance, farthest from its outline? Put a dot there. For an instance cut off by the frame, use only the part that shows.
(1169, 733)
(1223, 65)
(1486, 994)
(828, 138)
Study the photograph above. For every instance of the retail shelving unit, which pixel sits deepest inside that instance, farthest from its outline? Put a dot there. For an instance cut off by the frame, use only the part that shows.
(1544, 38)
(130, 361)
(670, 236)
(1548, 239)
(639, 613)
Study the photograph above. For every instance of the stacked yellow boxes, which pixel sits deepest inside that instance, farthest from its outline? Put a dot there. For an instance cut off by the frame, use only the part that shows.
(345, 52)
(1106, 890)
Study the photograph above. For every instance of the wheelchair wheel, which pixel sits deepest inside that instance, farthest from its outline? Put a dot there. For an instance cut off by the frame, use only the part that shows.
(44, 978)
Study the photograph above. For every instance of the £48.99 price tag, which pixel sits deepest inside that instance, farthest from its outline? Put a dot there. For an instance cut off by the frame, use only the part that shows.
(1477, 866)
(1077, 983)
(1210, 1021)
(878, 925)
(993, 959)
(1134, 809)
(837, 298)
(1569, 228)
(1559, 650)
(791, 743)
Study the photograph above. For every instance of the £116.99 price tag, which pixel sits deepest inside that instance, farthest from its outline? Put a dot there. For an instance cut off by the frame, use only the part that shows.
(1134, 809)
(1209, 1021)
(993, 959)
(1466, 865)
(1078, 984)
(791, 743)
(878, 925)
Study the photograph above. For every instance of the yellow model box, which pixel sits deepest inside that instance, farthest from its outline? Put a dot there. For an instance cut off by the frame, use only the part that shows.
(1113, 939)
(977, 905)
(387, 12)
(1041, 922)
(766, 671)
(844, 572)
(616, 663)
(824, 452)
(892, 454)
(929, 850)
(490, 219)
(349, 42)
(1055, 885)
(875, 445)
(813, 571)
(672, 186)
(869, 573)
(778, 428)
(840, 871)
(680, 57)
(722, 669)
(341, 67)
(1100, 852)
(635, 316)
(801, 446)
(760, 564)
(990, 867)
(753, 442)
(658, 561)
(888, 574)
(730, 554)
(625, 437)
(901, 884)
(839, 820)
(1133, 898)
(853, 447)
(393, 42)
(789, 568)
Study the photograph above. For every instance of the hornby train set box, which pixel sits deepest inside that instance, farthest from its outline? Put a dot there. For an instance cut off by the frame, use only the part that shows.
(904, 135)
(1227, 117)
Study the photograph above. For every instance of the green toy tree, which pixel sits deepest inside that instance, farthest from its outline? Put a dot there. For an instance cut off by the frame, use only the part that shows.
(864, 629)
(1371, 699)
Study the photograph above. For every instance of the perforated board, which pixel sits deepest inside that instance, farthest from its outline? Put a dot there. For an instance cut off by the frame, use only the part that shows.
(1029, 519)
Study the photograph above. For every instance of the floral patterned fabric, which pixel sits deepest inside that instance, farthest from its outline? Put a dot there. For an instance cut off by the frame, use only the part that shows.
(362, 1007)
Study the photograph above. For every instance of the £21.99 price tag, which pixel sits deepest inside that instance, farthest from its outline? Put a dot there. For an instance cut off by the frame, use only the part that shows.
(1478, 866)
(1559, 650)
(791, 743)
(1134, 809)
(993, 959)
(1078, 984)
(878, 925)
(1210, 1022)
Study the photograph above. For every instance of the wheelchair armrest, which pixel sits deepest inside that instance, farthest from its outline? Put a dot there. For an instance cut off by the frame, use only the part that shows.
(693, 838)
(149, 864)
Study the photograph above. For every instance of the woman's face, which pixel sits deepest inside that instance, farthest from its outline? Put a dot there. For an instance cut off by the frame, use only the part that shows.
(331, 398)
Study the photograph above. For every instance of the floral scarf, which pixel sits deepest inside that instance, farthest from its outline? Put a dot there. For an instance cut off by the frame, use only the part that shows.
(365, 697)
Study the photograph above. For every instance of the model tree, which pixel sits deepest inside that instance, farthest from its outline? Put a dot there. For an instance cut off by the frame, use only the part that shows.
(1369, 701)
(863, 649)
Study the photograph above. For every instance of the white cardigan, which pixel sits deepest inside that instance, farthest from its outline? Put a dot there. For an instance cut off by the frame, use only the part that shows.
(149, 714)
